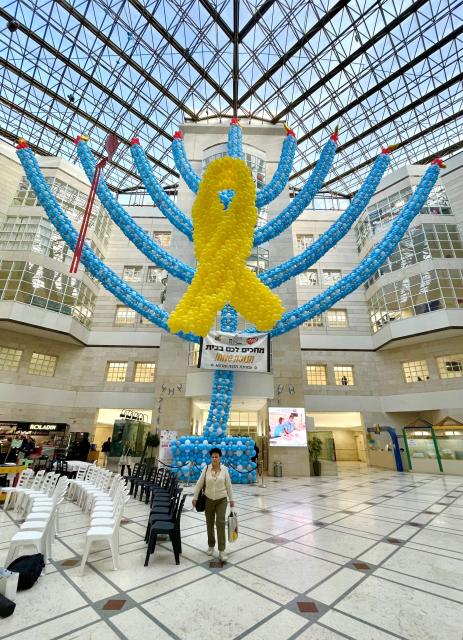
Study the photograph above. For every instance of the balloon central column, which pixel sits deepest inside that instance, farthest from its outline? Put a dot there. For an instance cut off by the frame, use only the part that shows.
(191, 454)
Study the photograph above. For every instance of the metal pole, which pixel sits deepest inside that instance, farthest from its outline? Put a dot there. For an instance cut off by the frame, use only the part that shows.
(407, 450)
(189, 473)
(436, 448)
(260, 467)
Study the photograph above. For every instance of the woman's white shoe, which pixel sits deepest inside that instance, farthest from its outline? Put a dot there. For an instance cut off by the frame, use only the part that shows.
(223, 556)
(210, 551)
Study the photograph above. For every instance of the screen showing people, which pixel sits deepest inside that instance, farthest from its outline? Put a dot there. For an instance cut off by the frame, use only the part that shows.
(287, 427)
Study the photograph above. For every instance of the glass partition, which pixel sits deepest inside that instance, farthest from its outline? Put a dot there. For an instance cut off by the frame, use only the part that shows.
(422, 451)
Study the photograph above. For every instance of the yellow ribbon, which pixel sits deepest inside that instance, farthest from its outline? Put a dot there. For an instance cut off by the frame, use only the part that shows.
(223, 241)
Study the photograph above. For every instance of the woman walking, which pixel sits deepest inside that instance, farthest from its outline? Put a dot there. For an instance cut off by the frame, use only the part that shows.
(215, 480)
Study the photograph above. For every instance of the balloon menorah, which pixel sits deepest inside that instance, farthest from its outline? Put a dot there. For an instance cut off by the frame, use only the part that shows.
(223, 229)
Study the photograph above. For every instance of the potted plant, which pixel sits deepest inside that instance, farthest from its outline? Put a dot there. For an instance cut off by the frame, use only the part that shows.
(152, 442)
(315, 446)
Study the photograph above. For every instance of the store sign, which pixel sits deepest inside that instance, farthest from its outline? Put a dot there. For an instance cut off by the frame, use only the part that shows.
(36, 427)
(235, 352)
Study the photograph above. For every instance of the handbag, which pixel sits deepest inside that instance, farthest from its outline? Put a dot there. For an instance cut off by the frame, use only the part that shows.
(29, 569)
(201, 501)
(7, 607)
(232, 526)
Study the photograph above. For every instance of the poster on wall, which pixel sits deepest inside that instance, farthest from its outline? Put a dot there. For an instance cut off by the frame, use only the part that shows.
(235, 352)
(287, 427)
(165, 452)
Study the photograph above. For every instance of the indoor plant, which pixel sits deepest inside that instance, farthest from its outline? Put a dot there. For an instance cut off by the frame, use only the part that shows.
(315, 448)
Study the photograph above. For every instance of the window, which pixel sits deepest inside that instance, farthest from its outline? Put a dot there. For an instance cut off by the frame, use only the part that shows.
(330, 276)
(316, 321)
(124, 316)
(36, 285)
(412, 296)
(144, 372)
(450, 366)
(162, 238)
(308, 278)
(343, 375)
(304, 240)
(155, 275)
(316, 374)
(193, 354)
(72, 201)
(383, 211)
(9, 359)
(116, 372)
(336, 318)
(421, 243)
(42, 365)
(132, 274)
(415, 371)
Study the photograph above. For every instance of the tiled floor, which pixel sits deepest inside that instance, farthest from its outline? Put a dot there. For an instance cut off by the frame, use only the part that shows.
(367, 555)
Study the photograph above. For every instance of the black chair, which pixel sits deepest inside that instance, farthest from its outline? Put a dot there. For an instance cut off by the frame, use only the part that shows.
(143, 482)
(138, 472)
(160, 482)
(61, 467)
(170, 528)
(42, 463)
(166, 490)
(165, 511)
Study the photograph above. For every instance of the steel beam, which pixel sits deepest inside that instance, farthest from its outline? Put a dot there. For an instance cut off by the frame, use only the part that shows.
(409, 107)
(251, 23)
(178, 47)
(329, 15)
(236, 55)
(83, 74)
(46, 125)
(413, 8)
(390, 78)
(217, 18)
(55, 96)
(124, 56)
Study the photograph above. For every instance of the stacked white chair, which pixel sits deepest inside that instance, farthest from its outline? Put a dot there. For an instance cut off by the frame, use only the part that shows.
(44, 493)
(91, 478)
(25, 480)
(105, 521)
(75, 482)
(113, 481)
(102, 486)
(39, 533)
(37, 483)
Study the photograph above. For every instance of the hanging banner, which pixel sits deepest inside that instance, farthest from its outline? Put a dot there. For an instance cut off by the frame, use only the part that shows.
(235, 352)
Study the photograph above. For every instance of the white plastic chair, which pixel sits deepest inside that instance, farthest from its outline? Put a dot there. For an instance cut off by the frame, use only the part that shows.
(35, 486)
(37, 537)
(43, 506)
(45, 492)
(24, 481)
(109, 533)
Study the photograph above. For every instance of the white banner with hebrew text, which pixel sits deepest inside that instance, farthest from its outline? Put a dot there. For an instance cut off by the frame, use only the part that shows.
(235, 352)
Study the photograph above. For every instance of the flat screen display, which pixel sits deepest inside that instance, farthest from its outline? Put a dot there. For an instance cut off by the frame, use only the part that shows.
(287, 427)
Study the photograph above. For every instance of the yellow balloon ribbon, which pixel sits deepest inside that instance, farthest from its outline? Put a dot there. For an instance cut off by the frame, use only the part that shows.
(223, 240)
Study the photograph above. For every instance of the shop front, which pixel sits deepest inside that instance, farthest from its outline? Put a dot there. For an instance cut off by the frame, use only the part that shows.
(26, 439)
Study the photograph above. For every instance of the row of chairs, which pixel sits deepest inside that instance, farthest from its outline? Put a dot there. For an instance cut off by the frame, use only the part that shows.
(103, 495)
(41, 509)
(28, 483)
(145, 477)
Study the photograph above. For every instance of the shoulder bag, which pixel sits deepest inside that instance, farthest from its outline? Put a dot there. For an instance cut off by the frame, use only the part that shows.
(201, 501)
